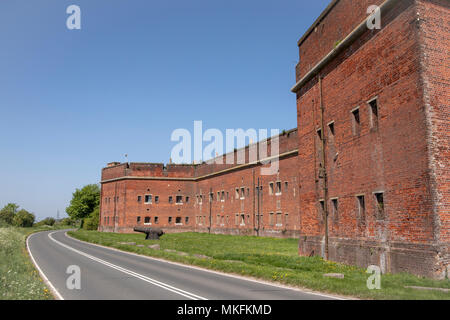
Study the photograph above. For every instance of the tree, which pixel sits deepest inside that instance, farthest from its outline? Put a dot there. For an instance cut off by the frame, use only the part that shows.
(91, 223)
(8, 212)
(46, 222)
(84, 201)
(23, 219)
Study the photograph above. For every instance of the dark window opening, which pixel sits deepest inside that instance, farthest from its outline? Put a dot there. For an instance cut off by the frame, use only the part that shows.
(139, 199)
(379, 198)
(187, 199)
(361, 207)
(178, 220)
(170, 199)
(331, 128)
(278, 187)
(374, 113)
(156, 220)
(356, 122)
(170, 220)
(322, 209)
(148, 198)
(335, 204)
(179, 199)
(156, 199)
(147, 220)
(186, 220)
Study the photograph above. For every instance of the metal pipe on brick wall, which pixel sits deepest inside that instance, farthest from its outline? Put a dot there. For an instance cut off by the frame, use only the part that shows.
(324, 167)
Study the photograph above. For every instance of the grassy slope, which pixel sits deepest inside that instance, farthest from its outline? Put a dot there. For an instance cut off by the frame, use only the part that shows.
(270, 259)
(19, 280)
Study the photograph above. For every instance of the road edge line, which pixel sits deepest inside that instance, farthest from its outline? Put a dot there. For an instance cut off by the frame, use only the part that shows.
(53, 290)
(236, 276)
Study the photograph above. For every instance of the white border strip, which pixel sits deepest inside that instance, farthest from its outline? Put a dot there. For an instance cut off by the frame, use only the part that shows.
(55, 292)
(157, 283)
(276, 285)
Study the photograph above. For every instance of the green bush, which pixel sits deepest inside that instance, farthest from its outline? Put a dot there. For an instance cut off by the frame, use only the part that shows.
(8, 212)
(23, 219)
(91, 223)
(46, 222)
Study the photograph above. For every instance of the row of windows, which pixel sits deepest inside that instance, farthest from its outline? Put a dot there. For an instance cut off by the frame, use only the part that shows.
(148, 220)
(241, 219)
(242, 192)
(378, 197)
(356, 120)
(148, 199)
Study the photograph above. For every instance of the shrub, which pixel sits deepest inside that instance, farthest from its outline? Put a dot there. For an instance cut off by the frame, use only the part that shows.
(23, 219)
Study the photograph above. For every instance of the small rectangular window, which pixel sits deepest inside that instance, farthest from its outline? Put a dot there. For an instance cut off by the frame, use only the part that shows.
(186, 220)
(373, 113)
(331, 128)
(179, 199)
(334, 207)
(138, 220)
(156, 220)
(361, 207)
(201, 199)
(178, 220)
(170, 220)
(379, 198)
(148, 198)
(356, 121)
(278, 187)
(242, 219)
(139, 199)
(147, 220)
(170, 199)
(156, 199)
(237, 193)
(271, 188)
(222, 196)
(322, 209)
(187, 199)
(242, 193)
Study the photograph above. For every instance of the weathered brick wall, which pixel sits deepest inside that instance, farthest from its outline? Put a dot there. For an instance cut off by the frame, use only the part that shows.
(434, 35)
(326, 33)
(389, 157)
(120, 196)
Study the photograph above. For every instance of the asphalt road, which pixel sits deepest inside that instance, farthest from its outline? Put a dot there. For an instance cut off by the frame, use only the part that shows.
(110, 274)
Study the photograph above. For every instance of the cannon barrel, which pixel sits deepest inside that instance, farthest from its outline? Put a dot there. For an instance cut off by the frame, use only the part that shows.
(150, 233)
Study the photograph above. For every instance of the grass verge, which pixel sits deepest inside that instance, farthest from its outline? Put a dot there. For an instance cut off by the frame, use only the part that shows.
(269, 259)
(19, 280)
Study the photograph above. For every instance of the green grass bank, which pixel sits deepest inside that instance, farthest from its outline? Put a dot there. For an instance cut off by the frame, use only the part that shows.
(270, 259)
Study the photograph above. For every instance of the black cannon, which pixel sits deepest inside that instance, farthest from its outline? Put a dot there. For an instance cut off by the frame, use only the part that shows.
(150, 233)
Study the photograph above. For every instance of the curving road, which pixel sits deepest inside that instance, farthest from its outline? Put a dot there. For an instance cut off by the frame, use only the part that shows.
(111, 274)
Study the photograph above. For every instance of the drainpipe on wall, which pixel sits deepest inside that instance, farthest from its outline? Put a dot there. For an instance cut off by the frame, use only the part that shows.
(324, 168)
(210, 209)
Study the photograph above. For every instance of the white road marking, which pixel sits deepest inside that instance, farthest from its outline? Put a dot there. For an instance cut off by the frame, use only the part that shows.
(157, 283)
(276, 285)
(43, 276)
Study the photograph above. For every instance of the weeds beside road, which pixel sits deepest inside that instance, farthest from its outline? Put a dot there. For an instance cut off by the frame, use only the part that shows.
(19, 280)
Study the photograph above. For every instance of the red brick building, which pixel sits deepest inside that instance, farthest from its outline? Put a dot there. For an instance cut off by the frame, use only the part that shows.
(371, 150)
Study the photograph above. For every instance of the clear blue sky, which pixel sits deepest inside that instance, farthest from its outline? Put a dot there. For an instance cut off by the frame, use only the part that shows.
(73, 100)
